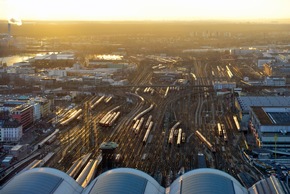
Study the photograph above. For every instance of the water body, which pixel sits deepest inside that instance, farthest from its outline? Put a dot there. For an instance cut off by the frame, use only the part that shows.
(10, 60)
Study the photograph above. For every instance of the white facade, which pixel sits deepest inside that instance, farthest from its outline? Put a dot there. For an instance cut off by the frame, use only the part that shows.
(224, 85)
(45, 106)
(36, 111)
(57, 73)
(275, 81)
(12, 134)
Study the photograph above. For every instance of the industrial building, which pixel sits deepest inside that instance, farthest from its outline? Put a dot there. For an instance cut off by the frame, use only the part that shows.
(271, 126)
(243, 105)
(126, 180)
(224, 85)
(107, 61)
(275, 81)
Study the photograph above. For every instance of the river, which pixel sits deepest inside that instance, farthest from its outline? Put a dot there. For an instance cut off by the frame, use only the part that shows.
(10, 60)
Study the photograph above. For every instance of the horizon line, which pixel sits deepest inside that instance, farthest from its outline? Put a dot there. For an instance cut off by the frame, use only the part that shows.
(271, 20)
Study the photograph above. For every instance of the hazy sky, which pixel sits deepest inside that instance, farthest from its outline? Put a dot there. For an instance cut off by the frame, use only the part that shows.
(144, 9)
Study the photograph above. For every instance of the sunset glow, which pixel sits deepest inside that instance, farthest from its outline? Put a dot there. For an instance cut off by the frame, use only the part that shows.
(144, 10)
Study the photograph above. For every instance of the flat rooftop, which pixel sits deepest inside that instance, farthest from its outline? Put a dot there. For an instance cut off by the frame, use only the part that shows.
(272, 115)
(270, 101)
(280, 118)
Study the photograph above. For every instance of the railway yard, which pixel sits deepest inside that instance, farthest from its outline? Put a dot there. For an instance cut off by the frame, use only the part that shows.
(160, 128)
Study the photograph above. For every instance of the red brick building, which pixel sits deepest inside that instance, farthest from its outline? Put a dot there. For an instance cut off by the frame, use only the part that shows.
(23, 114)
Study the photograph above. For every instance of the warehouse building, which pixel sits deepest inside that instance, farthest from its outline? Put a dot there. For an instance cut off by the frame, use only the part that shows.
(243, 105)
(271, 126)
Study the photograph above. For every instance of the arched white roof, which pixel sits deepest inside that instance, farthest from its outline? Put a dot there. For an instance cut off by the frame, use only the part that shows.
(127, 180)
(123, 181)
(42, 180)
(206, 181)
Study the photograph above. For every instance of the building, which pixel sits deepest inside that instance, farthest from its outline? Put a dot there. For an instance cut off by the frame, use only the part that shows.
(166, 75)
(107, 61)
(10, 131)
(7, 161)
(262, 61)
(65, 59)
(23, 114)
(243, 105)
(57, 73)
(224, 85)
(277, 68)
(10, 104)
(127, 180)
(18, 150)
(92, 80)
(271, 126)
(36, 110)
(275, 81)
(45, 106)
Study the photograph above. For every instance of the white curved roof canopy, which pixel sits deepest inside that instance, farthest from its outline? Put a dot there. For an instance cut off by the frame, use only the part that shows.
(42, 180)
(127, 180)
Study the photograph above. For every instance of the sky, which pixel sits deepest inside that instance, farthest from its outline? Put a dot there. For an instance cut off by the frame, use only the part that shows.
(144, 9)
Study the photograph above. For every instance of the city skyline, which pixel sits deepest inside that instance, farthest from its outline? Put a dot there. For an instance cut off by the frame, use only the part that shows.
(145, 10)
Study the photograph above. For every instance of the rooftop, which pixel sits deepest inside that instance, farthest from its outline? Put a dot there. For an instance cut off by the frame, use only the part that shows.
(272, 115)
(127, 180)
(247, 101)
(108, 145)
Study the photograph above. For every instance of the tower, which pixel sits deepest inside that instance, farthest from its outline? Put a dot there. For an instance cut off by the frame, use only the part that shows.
(108, 154)
(9, 28)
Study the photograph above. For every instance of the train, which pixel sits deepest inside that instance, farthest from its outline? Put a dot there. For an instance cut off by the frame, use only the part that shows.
(229, 72)
(94, 104)
(205, 141)
(237, 123)
(135, 125)
(108, 99)
(166, 92)
(71, 117)
(109, 119)
(172, 131)
(170, 139)
(183, 137)
(225, 135)
(49, 139)
(75, 169)
(193, 76)
(147, 132)
(52, 139)
(148, 121)
(179, 137)
(139, 125)
(143, 112)
(220, 132)
(85, 172)
(149, 90)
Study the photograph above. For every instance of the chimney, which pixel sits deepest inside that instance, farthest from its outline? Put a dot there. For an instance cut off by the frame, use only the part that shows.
(9, 29)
